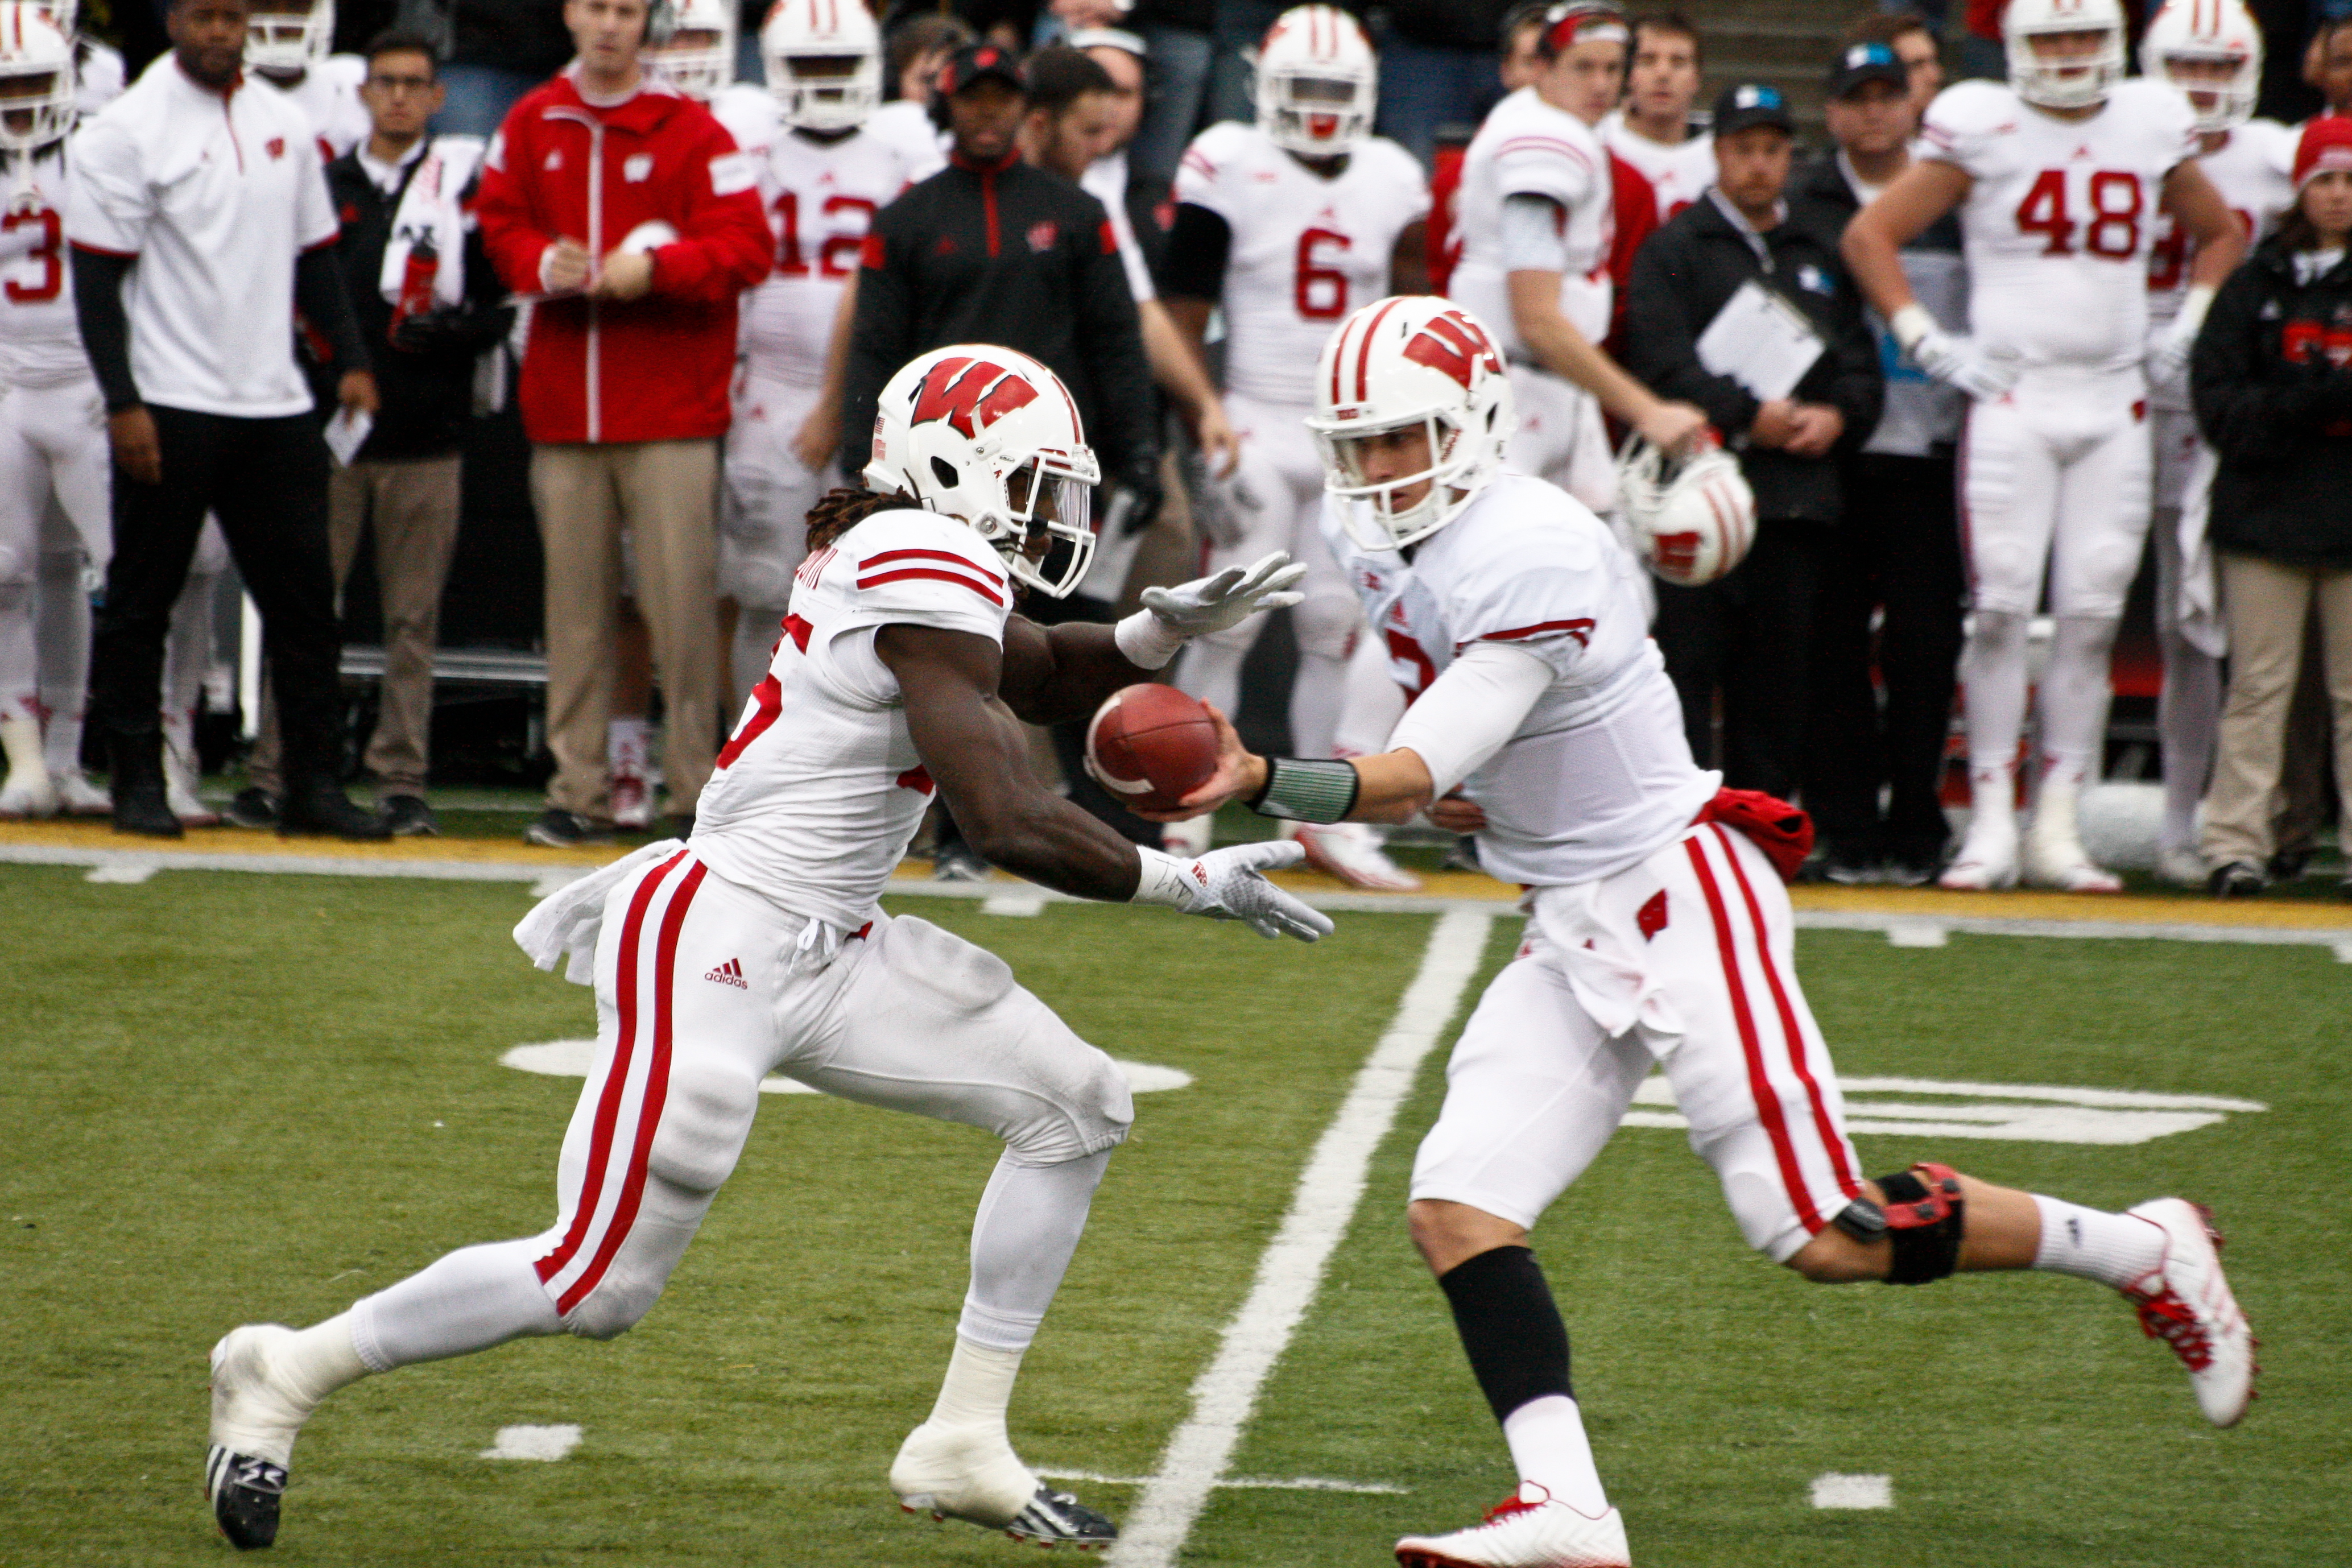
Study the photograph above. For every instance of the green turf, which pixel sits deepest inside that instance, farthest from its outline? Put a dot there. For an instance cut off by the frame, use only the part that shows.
(222, 1105)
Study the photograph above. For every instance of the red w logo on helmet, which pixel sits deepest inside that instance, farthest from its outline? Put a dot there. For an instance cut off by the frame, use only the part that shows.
(1454, 343)
(969, 394)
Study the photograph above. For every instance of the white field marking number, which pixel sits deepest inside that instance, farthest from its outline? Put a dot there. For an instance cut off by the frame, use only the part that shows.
(1834, 1490)
(573, 1058)
(543, 1443)
(2027, 1113)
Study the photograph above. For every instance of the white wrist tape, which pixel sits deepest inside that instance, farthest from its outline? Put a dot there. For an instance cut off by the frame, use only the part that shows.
(1146, 641)
(2193, 306)
(1910, 324)
(1165, 880)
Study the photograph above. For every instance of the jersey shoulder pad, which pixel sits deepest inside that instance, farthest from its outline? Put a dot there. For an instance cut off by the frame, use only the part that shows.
(2275, 142)
(1399, 170)
(1210, 163)
(920, 567)
(2163, 109)
(748, 113)
(1544, 152)
(346, 70)
(1535, 569)
(1965, 117)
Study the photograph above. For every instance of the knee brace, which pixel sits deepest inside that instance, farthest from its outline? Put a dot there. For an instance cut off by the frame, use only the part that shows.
(1923, 1221)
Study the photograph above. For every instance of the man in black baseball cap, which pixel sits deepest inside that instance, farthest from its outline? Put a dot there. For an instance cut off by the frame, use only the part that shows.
(981, 97)
(1752, 104)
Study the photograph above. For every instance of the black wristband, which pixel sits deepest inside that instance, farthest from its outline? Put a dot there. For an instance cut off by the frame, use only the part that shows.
(1299, 790)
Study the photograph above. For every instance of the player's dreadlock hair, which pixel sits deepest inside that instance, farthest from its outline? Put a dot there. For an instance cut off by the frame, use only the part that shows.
(840, 511)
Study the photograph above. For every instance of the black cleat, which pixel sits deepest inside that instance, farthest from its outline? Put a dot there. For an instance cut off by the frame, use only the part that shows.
(561, 829)
(409, 817)
(253, 807)
(1053, 1518)
(245, 1495)
(325, 810)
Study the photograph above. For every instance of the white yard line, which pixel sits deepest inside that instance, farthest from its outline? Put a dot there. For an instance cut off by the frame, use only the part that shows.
(1291, 1269)
(1238, 1483)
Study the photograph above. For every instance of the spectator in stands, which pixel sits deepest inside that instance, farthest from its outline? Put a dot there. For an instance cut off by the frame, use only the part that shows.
(439, 314)
(915, 51)
(206, 199)
(499, 50)
(1747, 636)
(624, 383)
(1652, 128)
(1437, 71)
(1913, 43)
(1180, 39)
(2332, 56)
(1521, 31)
(2274, 397)
(1897, 545)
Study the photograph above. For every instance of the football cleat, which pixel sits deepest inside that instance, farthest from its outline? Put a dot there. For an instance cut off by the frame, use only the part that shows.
(1988, 857)
(81, 797)
(255, 1420)
(28, 793)
(2054, 853)
(1530, 1528)
(973, 1474)
(633, 799)
(2185, 1301)
(1352, 852)
(1054, 1517)
(2180, 866)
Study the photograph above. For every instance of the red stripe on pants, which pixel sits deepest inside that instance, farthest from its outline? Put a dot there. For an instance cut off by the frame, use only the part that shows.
(608, 1103)
(1767, 1104)
(649, 1109)
(1832, 1140)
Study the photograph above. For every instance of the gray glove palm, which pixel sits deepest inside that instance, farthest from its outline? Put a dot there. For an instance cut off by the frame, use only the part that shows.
(1230, 884)
(1213, 603)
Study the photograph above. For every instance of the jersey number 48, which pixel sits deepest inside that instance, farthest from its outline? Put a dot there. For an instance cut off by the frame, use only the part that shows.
(2116, 200)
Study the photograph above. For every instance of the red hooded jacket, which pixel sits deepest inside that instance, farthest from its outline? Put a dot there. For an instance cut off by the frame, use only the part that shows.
(651, 368)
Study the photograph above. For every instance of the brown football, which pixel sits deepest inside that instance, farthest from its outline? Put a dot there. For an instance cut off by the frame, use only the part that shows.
(1151, 745)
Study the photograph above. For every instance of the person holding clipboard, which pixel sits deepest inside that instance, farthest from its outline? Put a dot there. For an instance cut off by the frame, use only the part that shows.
(1738, 306)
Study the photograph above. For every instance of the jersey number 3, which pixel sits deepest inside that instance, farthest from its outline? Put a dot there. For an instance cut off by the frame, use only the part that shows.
(2115, 199)
(48, 251)
(1321, 292)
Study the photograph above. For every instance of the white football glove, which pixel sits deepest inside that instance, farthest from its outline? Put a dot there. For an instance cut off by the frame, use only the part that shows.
(2168, 357)
(1955, 361)
(1173, 616)
(1230, 884)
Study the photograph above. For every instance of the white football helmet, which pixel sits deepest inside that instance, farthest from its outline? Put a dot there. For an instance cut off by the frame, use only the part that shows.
(62, 15)
(1693, 516)
(1407, 361)
(1318, 81)
(2076, 81)
(991, 437)
(825, 62)
(698, 53)
(2221, 48)
(288, 35)
(37, 80)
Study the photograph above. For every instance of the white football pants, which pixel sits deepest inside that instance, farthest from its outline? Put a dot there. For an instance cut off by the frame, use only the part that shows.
(703, 990)
(1684, 962)
(53, 453)
(1561, 438)
(1273, 501)
(763, 516)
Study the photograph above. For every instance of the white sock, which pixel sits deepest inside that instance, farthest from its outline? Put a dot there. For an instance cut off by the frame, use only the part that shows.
(2188, 718)
(1026, 1227)
(2091, 1244)
(470, 1300)
(1548, 1445)
(2073, 697)
(319, 1360)
(978, 1387)
(624, 745)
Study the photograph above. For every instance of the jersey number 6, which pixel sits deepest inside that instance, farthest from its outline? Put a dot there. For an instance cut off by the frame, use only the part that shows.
(1321, 292)
(2115, 204)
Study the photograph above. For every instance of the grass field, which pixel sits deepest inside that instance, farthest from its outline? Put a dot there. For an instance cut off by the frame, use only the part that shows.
(235, 1097)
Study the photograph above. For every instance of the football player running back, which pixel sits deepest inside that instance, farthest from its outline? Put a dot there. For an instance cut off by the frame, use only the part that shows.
(2212, 52)
(1659, 934)
(2059, 177)
(822, 176)
(761, 946)
(1288, 225)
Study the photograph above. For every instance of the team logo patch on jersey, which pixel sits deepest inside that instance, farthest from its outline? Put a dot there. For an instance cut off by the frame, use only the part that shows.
(1042, 235)
(1651, 918)
(276, 146)
(1455, 344)
(969, 394)
(637, 165)
(731, 973)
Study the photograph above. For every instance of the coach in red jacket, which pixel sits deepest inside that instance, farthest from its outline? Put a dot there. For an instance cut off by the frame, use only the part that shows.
(627, 209)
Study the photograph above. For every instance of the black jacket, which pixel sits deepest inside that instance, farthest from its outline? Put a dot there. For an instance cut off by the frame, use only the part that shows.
(510, 35)
(1687, 271)
(2274, 394)
(426, 380)
(1015, 256)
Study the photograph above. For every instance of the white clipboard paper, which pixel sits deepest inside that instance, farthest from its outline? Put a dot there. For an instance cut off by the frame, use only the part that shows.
(1761, 342)
(346, 433)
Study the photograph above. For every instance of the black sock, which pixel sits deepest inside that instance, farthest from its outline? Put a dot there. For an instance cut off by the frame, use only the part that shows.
(1509, 1326)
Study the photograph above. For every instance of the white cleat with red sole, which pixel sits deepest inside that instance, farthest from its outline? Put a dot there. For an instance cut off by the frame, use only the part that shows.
(1352, 853)
(1530, 1528)
(2186, 1301)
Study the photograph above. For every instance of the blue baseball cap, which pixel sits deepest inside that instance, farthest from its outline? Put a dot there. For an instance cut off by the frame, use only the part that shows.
(1859, 63)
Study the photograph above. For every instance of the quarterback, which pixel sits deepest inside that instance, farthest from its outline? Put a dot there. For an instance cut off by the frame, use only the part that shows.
(760, 945)
(2060, 177)
(1659, 935)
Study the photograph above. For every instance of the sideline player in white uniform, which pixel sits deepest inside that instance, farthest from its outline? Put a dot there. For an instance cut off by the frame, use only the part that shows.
(2212, 52)
(290, 44)
(1652, 128)
(1286, 226)
(822, 175)
(761, 946)
(1538, 222)
(1659, 935)
(2059, 177)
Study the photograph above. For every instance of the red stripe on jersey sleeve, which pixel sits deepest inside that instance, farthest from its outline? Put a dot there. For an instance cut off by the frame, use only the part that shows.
(1581, 628)
(871, 561)
(103, 250)
(988, 593)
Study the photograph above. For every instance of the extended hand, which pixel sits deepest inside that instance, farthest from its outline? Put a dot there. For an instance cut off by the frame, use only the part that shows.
(1240, 773)
(1230, 884)
(357, 391)
(564, 267)
(1814, 428)
(1673, 427)
(137, 452)
(2169, 356)
(819, 434)
(1457, 814)
(1220, 448)
(1209, 604)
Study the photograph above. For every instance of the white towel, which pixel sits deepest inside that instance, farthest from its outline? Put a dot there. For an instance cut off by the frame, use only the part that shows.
(2200, 608)
(430, 208)
(568, 922)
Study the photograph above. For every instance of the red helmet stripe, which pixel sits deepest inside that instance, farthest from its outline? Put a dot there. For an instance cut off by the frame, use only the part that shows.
(1364, 350)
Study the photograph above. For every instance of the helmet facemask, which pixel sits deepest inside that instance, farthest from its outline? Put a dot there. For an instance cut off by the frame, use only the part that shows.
(2230, 81)
(822, 91)
(37, 88)
(2068, 80)
(286, 36)
(1044, 528)
(1370, 512)
(1316, 116)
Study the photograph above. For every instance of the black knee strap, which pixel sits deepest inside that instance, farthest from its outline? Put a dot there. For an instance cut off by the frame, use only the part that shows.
(1923, 1221)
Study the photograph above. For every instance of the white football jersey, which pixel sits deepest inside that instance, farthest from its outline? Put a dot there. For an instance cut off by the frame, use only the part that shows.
(820, 790)
(1306, 250)
(328, 93)
(1528, 148)
(2254, 173)
(1678, 175)
(40, 345)
(2060, 215)
(1599, 775)
(821, 198)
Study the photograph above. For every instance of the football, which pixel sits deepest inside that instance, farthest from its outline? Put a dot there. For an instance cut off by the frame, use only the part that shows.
(1151, 745)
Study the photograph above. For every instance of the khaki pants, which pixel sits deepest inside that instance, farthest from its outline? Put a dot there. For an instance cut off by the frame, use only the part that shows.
(664, 494)
(413, 506)
(2267, 605)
